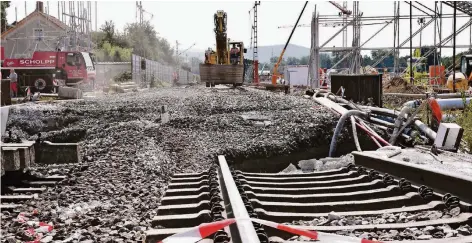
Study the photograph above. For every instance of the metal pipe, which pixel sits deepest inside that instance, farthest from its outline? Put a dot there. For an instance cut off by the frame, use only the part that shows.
(454, 49)
(374, 135)
(382, 122)
(411, 45)
(334, 49)
(425, 129)
(340, 126)
(421, 96)
(450, 104)
(376, 18)
(418, 124)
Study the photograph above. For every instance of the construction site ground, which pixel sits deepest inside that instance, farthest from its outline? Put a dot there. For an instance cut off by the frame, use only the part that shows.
(129, 155)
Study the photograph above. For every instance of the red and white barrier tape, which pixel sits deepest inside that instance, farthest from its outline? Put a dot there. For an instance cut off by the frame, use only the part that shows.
(36, 229)
(307, 233)
(199, 232)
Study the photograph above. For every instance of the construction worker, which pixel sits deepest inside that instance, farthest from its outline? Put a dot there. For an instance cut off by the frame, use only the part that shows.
(13, 83)
(234, 55)
(175, 77)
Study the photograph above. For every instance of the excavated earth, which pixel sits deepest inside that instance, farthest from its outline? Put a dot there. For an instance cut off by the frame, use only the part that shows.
(128, 156)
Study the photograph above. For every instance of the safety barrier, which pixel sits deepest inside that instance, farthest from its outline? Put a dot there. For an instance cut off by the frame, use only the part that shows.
(198, 233)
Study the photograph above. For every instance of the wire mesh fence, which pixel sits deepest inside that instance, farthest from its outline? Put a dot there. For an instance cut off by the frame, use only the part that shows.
(158, 73)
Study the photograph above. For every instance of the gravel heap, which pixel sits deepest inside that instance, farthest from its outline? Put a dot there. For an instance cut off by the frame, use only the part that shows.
(129, 156)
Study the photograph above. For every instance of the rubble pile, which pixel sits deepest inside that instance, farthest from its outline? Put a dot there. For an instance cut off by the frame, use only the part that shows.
(129, 155)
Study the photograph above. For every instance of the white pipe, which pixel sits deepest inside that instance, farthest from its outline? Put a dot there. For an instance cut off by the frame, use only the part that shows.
(354, 134)
(450, 104)
(340, 126)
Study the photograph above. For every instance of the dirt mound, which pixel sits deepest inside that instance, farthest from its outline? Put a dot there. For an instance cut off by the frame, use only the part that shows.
(399, 85)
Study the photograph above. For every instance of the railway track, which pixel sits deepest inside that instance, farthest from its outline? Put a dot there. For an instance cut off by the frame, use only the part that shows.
(352, 201)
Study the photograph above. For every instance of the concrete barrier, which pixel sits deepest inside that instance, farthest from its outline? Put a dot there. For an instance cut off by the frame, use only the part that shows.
(57, 153)
(11, 159)
(65, 92)
(4, 118)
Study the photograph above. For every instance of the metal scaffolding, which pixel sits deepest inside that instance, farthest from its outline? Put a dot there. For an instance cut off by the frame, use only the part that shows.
(77, 15)
(428, 16)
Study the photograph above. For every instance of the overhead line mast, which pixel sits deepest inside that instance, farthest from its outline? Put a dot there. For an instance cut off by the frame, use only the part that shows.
(255, 56)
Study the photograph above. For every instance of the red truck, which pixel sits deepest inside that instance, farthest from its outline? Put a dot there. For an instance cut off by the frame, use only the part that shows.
(47, 70)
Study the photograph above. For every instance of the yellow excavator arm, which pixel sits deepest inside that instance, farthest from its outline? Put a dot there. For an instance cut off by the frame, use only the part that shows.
(221, 37)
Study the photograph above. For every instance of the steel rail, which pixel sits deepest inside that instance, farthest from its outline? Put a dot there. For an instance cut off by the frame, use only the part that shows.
(242, 231)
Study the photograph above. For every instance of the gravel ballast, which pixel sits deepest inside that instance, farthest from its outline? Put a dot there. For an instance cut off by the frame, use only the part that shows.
(129, 156)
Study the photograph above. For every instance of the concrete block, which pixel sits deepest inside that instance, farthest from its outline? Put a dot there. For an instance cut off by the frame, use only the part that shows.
(25, 159)
(26, 144)
(116, 88)
(11, 159)
(58, 153)
(69, 93)
(164, 115)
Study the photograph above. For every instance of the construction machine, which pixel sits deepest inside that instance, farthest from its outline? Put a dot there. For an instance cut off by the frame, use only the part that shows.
(463, 79)
(420, 73)
(45, 71)
(226, 64)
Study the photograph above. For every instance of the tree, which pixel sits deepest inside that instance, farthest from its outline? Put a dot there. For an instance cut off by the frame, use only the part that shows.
(109, 30)
(4, 22)
(145, 42)
(325, 61)
(367, 61)
(304, 60)
(337, 55)
(293, 61)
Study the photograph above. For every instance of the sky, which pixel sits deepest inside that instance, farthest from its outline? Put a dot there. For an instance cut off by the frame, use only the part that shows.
(190, 22)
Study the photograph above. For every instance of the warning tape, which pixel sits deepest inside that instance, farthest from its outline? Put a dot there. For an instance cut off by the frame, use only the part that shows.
(35, 229)
(199, 232)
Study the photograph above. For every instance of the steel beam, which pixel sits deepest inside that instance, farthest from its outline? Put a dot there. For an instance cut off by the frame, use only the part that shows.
(458, 185)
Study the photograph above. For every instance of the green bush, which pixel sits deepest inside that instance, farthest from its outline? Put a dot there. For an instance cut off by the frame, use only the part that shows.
(123, 77)
(465, 121)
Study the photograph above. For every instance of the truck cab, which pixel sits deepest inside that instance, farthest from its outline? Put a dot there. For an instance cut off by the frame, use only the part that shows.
(46, 70)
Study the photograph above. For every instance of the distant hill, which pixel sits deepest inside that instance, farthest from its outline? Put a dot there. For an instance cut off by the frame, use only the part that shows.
(265, 52)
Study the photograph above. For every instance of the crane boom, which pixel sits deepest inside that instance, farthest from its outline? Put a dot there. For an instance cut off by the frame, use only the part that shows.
(275, 73)
(342, 9)
(187, 49)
